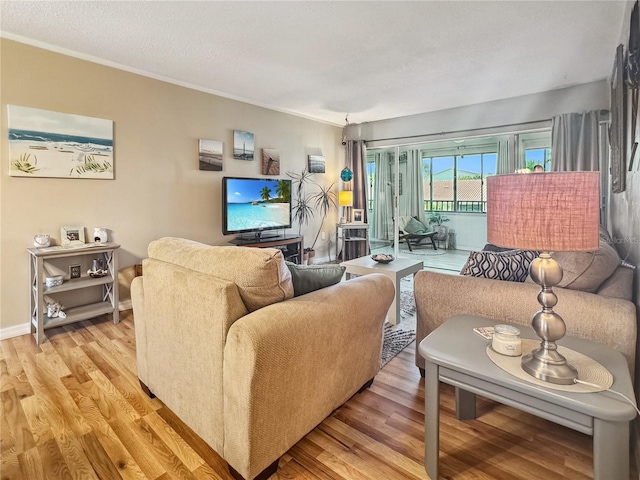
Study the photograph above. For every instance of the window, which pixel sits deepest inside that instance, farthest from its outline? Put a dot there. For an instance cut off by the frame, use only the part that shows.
(456, 183)
(535, 149)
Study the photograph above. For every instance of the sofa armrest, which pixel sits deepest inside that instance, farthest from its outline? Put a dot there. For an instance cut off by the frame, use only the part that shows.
(287, 366)
(606, 320)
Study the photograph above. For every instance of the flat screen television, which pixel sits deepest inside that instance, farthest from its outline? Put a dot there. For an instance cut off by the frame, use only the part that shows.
(255, 205)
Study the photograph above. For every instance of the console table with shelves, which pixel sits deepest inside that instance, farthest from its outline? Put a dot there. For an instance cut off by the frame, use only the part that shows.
(353, 238)
(290, 245)
(81, 298)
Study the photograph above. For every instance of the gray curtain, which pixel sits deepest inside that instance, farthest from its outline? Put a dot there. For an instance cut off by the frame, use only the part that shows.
(413, 187)
(381, 224)
(575, 142)
(356, 159)
(504, 165)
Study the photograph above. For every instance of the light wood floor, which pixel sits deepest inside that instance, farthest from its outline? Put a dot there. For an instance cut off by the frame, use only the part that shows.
(72, 409)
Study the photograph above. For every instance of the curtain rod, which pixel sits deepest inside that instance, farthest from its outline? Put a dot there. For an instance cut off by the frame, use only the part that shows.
(604, 117)
(439, 134)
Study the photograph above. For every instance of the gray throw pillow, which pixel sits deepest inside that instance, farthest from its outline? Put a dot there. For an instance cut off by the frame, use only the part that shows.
(308, 278)
(415, 226)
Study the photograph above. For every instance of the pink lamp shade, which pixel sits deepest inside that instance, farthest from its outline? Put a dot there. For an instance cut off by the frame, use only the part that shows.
(345, 198)
(555, 211)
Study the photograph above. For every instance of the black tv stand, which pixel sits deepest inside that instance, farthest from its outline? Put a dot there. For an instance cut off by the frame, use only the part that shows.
(290, 245)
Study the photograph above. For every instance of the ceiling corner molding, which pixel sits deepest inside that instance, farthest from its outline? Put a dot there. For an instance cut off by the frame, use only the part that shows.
(143, 73)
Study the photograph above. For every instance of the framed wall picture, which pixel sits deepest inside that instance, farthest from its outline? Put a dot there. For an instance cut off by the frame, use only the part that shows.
(43, 143)
(617, 127)
(71, 236)
(357, 215)
(316, 164)
(270, 161)
(243, 145)
(210, 155)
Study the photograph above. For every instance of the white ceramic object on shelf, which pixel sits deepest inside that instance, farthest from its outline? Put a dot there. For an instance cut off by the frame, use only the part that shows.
(100, 234)
(54, 281)
(41, 240)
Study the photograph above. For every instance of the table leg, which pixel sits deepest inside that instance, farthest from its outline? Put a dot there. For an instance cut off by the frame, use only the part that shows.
(431, 419)
(610, 450)
(465, 405)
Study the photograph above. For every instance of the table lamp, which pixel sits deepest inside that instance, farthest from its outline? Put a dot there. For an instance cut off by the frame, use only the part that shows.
(548, 212)
(345, 199)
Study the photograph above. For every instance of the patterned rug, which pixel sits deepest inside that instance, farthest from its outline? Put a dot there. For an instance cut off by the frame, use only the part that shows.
(398, 337)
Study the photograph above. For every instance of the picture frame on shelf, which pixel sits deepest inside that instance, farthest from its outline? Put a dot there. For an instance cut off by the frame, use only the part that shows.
(71, 236)
(75, 271)
(357, 215)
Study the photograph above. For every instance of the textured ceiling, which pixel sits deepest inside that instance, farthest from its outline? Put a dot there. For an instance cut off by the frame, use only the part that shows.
(372, 60)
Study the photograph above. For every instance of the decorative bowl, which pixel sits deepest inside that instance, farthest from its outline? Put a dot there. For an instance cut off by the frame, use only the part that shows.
(382, 257)
(54, 281)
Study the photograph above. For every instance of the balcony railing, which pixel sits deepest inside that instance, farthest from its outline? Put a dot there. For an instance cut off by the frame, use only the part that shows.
(455, 206)
(449, 206)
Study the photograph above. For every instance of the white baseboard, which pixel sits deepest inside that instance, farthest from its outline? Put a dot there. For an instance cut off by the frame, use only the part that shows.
(14, 331)
(125, 305)
(24, 329)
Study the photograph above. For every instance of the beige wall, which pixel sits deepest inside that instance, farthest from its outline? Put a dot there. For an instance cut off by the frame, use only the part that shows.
(158, 190)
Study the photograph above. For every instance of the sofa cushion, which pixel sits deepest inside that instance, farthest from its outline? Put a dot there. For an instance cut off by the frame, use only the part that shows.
(512, 265)
(586, 271)
(308, 278)
(260, 274)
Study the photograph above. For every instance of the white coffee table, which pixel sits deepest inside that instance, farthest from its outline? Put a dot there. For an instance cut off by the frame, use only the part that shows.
(400, 267)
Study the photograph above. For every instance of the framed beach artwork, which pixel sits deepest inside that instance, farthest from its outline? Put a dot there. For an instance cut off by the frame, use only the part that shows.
(210, 155)
(243, 145)
(316, 164)
(43, 143)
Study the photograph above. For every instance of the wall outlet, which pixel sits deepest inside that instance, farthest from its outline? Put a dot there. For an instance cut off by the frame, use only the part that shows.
(323, 236)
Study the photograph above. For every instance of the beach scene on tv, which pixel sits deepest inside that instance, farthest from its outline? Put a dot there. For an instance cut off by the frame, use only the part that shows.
(257, 203)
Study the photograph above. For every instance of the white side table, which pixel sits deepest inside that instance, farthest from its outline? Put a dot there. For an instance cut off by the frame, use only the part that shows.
(400, 267)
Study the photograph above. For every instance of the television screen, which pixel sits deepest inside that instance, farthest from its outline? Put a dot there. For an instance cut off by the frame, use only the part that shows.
(255, 204)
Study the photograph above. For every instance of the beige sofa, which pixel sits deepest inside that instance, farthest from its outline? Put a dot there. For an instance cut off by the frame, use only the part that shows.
(604, 313)
(251, 370)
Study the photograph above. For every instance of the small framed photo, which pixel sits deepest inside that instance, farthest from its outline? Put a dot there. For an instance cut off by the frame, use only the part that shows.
(72, 236)
(74, 271)
(357, 215)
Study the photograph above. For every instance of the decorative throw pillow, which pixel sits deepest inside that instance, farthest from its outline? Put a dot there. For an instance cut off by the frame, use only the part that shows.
(308, 278)
(415, 226)
(512, 265)
(586, 271)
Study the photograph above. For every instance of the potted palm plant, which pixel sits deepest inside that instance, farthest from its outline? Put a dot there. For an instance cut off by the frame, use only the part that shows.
(307, 204)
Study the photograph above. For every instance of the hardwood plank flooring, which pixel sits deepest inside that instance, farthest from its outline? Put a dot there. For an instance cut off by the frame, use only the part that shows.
(72, 409)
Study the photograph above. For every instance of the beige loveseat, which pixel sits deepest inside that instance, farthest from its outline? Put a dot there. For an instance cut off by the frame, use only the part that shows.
(604, 313)
(251, 370)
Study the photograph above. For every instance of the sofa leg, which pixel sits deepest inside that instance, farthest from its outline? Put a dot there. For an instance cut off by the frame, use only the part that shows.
(146, 390)
(365, 386)
(421, 372)
(263, 475)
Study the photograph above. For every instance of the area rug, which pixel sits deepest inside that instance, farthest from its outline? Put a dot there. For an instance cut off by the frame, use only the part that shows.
(398, 337)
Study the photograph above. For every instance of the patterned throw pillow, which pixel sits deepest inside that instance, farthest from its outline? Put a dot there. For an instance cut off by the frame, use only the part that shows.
(512, 265)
